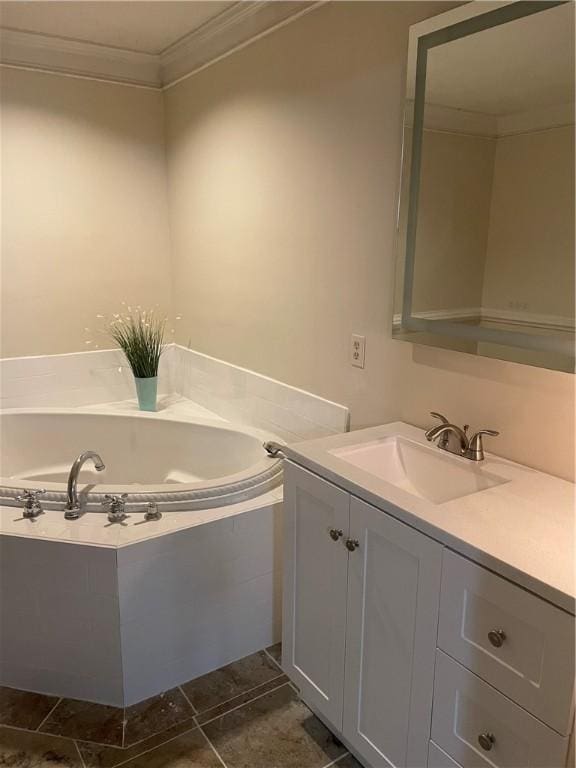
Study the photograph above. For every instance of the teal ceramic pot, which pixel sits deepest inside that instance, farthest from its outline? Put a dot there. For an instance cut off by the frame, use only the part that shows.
(147, 390)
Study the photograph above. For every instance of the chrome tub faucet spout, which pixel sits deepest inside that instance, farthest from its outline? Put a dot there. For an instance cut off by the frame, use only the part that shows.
(72, 508)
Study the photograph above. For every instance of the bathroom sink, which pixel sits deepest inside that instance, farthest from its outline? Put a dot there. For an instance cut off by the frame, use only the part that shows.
(426, 472)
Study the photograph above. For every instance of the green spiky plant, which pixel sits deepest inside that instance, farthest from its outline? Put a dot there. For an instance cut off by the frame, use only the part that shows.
(140, 336)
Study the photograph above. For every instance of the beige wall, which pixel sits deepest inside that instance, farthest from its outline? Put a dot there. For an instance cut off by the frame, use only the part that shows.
(283, 163)
(283, 167)
(84, 217)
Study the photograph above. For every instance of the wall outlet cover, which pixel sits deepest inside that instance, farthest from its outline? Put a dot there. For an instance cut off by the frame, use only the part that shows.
(358, 350)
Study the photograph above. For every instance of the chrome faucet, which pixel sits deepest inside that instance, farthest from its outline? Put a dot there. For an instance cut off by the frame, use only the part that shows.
(455, 439)
(72, 508)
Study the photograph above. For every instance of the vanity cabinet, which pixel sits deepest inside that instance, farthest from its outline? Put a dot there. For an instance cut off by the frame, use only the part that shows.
(414, 655)
(361, 596)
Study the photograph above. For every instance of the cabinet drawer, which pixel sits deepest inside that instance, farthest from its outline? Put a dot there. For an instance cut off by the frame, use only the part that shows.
(520, 644)
(478, 726)
(437, 758)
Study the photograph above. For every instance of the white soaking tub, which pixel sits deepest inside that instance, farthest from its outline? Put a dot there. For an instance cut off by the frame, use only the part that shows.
(178, 463)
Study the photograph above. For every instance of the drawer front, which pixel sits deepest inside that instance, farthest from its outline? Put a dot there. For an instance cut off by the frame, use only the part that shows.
(478, 726)
(520, 644)
(437, 758)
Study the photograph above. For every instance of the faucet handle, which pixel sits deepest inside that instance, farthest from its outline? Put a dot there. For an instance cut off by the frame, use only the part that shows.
(31, 502)
(476, 447)
(31, 495)
(443, 442)
(437, 415)
(116, 506)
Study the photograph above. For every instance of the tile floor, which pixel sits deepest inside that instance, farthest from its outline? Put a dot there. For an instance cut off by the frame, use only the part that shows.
(245, 715)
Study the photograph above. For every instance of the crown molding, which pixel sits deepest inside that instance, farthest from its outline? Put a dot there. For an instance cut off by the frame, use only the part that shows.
(230, 30)
(461, 121)
(73, 57)
(235, 27)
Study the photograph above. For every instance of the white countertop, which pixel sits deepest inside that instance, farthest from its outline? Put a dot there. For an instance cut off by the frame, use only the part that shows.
(522, 529)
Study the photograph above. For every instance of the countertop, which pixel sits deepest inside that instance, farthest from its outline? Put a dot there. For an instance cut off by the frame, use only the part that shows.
(522, 529)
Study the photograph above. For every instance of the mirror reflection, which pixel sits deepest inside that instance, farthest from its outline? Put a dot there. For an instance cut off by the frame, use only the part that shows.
(487, 213)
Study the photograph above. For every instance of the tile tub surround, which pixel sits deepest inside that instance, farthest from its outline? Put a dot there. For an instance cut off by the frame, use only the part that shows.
(246, 716)
(74, 379)
(225, 390)
(116, 624)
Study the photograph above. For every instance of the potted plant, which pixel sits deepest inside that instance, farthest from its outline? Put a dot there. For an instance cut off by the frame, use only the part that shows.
(140, 336)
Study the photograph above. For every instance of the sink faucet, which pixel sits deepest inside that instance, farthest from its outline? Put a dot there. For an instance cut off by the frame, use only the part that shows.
(455, 440)
(72, 508)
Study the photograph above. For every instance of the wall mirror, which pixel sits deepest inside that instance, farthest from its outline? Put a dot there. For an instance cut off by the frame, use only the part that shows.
(486, 214)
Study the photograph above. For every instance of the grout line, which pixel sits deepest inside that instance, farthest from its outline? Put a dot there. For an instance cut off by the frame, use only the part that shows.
(335, 762)
(150, 735)
(245, 703)
(151, 749)
(183, 692)
(48, 715)
(272, 659)
(82, 763)
(124, 721)
(62, 736)
(239, 695)
(212, 747)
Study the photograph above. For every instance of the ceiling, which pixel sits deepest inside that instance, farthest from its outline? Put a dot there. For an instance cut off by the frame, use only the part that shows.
(137, 25)
(524, 65)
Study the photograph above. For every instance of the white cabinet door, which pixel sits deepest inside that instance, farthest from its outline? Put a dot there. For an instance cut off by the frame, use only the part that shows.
(315, 577)
(393, 593)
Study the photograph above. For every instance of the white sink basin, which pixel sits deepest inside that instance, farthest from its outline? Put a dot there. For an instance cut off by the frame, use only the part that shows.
(428, 473)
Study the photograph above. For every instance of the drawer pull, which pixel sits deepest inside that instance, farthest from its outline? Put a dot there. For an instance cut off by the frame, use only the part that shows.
(497, 637)
(335, 534)
(352, 544)
(486, 741)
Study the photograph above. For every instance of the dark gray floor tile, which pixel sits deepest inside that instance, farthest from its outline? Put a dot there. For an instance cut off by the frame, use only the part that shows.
(86, 721)
(23, 709)
(233, 680)
(24, 749)
(188, 751)
(101, 756)
(274, 731)
(155, 715)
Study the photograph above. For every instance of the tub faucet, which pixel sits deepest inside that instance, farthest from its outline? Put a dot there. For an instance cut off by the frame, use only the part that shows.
(72, 508)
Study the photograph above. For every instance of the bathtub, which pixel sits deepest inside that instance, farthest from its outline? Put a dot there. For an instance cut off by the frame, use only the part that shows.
(178, 463)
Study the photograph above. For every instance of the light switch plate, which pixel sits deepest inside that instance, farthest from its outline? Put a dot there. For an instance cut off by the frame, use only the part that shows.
(358, 350)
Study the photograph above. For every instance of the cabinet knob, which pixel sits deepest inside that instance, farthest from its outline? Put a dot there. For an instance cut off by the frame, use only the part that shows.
(335, 533)
(497, 637)
(352, 544)
(486, 741)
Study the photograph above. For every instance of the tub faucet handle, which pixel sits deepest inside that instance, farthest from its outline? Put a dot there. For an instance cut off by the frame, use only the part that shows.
(152, 511)
(116, 506)
(30, 502)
